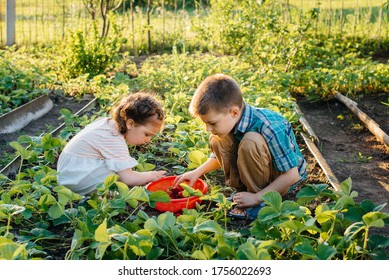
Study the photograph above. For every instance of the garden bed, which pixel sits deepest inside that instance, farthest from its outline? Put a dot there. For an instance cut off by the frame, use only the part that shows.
(349, 148)
(44, 124)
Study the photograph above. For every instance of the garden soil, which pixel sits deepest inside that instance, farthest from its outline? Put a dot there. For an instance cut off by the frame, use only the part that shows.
(350, 149)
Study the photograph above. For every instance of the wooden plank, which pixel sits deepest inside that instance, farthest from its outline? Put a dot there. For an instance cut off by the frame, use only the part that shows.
(334, 182)
(365, 119)
(307, 127)
(23, 115)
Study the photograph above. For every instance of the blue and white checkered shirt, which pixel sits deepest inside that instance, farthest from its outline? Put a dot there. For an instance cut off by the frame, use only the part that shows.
(278, 134)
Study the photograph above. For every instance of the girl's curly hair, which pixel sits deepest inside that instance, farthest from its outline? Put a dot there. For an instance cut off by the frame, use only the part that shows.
(140, 107)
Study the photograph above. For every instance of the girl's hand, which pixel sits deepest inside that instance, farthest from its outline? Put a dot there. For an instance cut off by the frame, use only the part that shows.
(156, 175)
(190, 176)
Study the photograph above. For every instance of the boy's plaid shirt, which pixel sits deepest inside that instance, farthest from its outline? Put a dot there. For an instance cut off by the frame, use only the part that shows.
(278, 134)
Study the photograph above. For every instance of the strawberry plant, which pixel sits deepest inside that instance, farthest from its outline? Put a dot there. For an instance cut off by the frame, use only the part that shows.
(40, 219)
(18, 83)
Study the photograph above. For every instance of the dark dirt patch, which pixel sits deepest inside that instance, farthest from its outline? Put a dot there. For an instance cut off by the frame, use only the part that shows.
(373, 106)
(44, 124)
(350, 149)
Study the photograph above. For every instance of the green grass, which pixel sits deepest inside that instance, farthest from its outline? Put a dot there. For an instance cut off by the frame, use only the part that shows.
(336, 4)
(368, 18)
(45, 21)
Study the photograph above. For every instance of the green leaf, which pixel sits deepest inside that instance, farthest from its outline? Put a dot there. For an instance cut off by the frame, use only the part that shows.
(325, 252)
(24, 139)
(159, 196)
(247, 251)
(267, 213)
(196, 159)
(154, 253)
(93, 203)
(110, 179)
(273, 199)
(289, 207)
(24, 153)
(199, 255)
(132, 202)
(143, 215)
(56, 211)
(11, 209)
(118, 204)
(166, 220)
(353, 229)
(148, 167)
(123, 189)
(41, 232)
(343, 202)
(209, 226)
(139, 193)
(189, 191)
(3, 178)
(141, 243)
(64, 195)
(293, 225)
(346, 185)
(375, 219)
(76, 240)
(10, 250)
(326, 216)
(307, 192)
(306, 250)
(48, 179)
(152, 225)
(101, 233)
(101, 248)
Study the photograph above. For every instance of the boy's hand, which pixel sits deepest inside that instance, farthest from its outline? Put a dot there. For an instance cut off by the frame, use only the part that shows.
(246, 199)
(191, 177)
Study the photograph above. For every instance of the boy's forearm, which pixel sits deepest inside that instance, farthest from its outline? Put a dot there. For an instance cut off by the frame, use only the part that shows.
(282, 183)
(208, 166)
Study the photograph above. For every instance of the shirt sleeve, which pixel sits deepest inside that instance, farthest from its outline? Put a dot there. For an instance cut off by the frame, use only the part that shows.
(120, 165)
(114, 150)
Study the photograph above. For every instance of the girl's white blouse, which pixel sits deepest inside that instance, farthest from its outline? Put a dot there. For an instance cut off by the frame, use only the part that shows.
(94, 153)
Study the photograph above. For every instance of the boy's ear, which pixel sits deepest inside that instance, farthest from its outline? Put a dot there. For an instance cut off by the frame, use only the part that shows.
(130, 123)
(234, 111)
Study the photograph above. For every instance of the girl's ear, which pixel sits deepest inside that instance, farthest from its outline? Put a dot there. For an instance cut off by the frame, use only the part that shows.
(130, 123)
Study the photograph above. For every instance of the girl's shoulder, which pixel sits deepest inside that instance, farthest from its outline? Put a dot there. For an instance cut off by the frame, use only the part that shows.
(102, 123)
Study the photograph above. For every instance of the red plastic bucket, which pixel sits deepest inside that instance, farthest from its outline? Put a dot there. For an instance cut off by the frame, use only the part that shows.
(176, 204)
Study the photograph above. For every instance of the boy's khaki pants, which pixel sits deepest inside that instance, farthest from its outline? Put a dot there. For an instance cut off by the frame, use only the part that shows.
(247, 165)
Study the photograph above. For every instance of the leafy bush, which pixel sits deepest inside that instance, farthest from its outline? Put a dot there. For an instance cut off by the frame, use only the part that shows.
(89, 53)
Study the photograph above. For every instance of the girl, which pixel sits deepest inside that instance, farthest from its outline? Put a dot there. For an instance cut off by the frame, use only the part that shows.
(100, 149)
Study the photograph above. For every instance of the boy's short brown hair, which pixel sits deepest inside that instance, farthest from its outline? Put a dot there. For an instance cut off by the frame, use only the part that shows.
(218, 92)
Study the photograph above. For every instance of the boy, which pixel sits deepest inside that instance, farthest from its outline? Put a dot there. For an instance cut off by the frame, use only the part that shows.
(255, 147)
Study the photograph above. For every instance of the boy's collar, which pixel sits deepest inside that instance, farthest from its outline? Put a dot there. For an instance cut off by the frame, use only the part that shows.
(244, 122)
